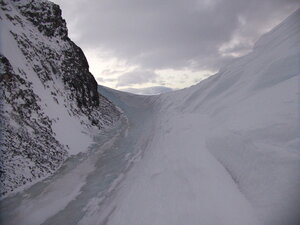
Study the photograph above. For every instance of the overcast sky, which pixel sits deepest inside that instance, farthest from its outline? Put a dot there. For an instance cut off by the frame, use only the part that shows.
(167, 43)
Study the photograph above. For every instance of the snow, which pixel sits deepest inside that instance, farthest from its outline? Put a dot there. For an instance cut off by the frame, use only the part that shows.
(56, 197)
(179, 182)
(225, 151)
(49, 197)
(85, 180)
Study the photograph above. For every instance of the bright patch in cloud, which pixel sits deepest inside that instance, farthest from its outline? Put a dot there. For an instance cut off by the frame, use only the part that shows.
(181, 42)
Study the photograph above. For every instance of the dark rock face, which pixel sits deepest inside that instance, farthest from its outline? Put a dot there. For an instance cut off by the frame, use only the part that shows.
(46, 17)
(78, 78)
(44, 81)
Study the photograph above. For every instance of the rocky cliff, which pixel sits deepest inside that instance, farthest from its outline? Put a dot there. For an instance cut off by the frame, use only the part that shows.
(49, 100)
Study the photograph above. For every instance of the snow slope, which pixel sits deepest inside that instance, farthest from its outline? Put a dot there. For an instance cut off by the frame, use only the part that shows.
(86, 181)
(225, 151)
(50, 103)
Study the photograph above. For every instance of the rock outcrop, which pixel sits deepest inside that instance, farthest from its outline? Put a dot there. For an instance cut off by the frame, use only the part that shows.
(49, 99)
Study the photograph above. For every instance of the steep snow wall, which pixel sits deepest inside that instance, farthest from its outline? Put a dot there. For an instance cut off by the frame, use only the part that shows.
(49, 99)
(253, 109)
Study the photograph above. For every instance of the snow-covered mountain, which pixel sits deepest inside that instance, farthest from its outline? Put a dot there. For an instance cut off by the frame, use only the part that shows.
(49, 100)
(223, 152)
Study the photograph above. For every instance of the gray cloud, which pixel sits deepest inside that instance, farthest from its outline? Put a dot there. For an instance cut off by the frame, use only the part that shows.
(136, 77)
(173, 33)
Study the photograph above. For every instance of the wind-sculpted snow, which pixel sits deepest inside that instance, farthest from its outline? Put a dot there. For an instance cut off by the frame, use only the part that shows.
(50, 103)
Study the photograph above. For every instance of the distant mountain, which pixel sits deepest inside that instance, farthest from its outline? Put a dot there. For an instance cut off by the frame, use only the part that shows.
(49, 99)
(155, 90)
